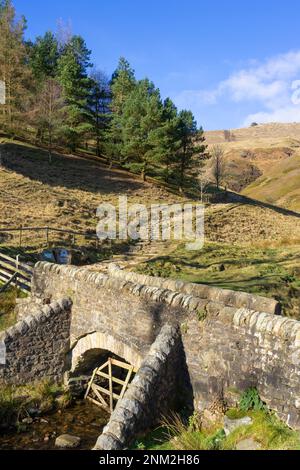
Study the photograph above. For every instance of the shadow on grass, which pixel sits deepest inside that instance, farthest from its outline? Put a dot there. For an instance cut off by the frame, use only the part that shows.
(70, 172)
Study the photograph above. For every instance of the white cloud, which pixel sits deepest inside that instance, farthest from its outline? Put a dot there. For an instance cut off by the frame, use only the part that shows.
(288, 114)
(267, 85)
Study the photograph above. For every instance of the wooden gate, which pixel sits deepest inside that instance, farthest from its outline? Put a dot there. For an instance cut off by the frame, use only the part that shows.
(105, 389)
(15, 273)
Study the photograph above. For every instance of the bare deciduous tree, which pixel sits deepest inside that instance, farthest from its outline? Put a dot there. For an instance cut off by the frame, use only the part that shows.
(218, 164)
(204, 183)
(48, 114)
(64, 33)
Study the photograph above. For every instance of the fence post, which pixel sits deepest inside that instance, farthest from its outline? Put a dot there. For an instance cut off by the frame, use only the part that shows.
(21, 229)
(17, 268)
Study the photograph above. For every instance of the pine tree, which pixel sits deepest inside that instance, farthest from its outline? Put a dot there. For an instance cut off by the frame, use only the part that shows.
(142, 116)
(98, 114)
(122, 84)
(44, 55)
(165, 139)
(73, 68)
(14, 71)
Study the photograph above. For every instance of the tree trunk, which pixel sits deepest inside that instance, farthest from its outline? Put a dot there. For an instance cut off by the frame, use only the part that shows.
(50, 145)
(98, 147)
(144, 171)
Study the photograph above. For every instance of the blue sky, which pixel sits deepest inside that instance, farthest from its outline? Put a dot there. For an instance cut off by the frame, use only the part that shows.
(232, 62)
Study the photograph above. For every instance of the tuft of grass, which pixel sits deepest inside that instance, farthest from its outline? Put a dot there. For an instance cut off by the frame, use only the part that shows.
(42, 396)
(266, 429)
(155, 440)
(7, 307)
(250, 400)
(177, 434)
(9, 406)
(190, 436)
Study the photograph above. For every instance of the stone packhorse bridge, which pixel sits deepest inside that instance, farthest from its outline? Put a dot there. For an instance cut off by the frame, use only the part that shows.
(192, 345)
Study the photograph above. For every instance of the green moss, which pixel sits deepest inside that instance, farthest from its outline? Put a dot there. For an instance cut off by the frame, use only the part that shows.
(235, 413)
(184, 328)
(201, 314)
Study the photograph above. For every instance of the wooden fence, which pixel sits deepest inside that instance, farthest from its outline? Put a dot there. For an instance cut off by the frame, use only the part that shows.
(15, 273)
(22, 236)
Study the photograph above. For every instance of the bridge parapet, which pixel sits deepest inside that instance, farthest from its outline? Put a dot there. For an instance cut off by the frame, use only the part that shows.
(226, 297)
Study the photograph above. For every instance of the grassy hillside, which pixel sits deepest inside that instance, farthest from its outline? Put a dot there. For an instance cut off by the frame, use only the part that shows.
(65, 194)
(263, 162)
(263, 132)
(247, 248)
(280, 185)
(271, 272)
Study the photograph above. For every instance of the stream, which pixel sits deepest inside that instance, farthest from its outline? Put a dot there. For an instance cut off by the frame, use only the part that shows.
(82, 419)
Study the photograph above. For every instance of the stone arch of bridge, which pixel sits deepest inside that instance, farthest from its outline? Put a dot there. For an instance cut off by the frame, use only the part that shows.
(88, 350)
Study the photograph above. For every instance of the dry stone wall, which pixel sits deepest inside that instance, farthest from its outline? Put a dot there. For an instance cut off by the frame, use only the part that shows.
(233, 350)
(35, 348)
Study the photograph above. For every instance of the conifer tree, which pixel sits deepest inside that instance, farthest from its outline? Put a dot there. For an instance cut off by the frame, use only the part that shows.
(44, 55)
(123, 83)
(73, 68)
(14, 71)
(99, 108)
(166, 140)
(142, 115)
(49, 89)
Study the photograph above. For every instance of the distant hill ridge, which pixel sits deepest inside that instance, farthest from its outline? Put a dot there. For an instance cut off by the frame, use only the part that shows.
(261, 131)
(263, 162)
